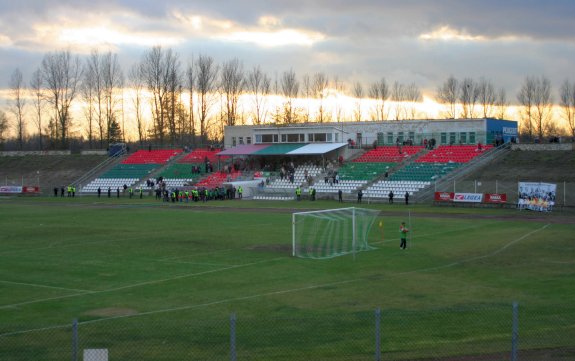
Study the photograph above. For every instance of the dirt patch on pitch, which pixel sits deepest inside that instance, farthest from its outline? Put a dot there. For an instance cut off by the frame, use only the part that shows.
(111, 312)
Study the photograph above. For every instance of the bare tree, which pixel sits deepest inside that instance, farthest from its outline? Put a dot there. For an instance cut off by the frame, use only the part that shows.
(18, 103)
(87, 89)
(411, 99)
(191, 87)
(526, 98)
(398, 95)
(61, 74)
(358, 94)
(136, 82)
(290, 91)
(258, 84)
(487, 97)
(206, 77)
(501, 103)
(319, 85)
(448, 94)
(232, 79)
(307, 92)
(113, 79)
(339, 91)
(173, 98)
(543, 106)
(158, 68)
(36, 91)
(468, 97)
(567, 103)
(3, 128)
(379, 92)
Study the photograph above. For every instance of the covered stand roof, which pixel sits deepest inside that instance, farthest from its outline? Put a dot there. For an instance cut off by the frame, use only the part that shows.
(283, 149)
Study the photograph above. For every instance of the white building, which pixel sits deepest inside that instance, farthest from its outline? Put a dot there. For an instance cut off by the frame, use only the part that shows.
(446, 131)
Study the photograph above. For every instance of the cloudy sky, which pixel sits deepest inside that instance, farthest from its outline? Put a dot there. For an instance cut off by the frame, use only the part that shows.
(360, 40)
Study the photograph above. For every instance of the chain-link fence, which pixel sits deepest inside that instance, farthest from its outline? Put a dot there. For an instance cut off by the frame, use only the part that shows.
(478, 333)
(565, 194)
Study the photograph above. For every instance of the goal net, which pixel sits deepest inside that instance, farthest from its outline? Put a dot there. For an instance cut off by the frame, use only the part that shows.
(331, 233)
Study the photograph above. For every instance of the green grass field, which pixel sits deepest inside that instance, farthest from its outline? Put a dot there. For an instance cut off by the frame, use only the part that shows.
(154, 281)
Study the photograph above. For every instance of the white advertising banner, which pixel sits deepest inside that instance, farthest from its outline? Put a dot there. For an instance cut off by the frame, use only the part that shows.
(468, 197)
(537, 196)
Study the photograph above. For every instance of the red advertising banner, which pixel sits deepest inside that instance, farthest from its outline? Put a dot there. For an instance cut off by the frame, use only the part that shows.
(495, 198)
(444, 196)
(468, 197)
(30, 189)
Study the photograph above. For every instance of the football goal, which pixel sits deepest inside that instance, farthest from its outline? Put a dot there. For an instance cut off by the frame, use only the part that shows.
(331, 233)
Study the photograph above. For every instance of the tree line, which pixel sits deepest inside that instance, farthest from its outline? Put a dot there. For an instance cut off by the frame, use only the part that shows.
(168, 102)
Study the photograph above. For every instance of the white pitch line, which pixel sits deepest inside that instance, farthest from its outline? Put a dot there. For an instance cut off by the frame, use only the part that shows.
(271, 293)
(137, 284)
(42, 286)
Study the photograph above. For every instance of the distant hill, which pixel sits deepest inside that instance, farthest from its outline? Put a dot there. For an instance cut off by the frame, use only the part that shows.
(544, 166)
(51, 170)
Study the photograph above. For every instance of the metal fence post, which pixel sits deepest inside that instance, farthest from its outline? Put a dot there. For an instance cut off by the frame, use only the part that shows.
(233, 355)
(515, 332)
(378, 334)
(75, 340)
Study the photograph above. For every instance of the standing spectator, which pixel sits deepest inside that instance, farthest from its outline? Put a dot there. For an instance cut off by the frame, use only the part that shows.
(406, 198)
(109, 192)
(118, 192)
(298, 193)
(340, 196)
(390, 196)
(99, 192)
(359, 196)
(55, 191)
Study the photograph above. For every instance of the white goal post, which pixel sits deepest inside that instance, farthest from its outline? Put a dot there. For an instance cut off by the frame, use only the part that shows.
(331, 233)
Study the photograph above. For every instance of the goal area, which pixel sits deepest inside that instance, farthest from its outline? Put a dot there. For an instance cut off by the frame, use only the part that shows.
(331, 233)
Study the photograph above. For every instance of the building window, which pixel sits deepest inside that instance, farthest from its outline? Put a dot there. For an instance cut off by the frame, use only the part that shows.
(241, 140)
(266, 138)
(248, 140)
(463, 138)
(258, 138)
(358, 139)
(317, 137)
(380, 138)
(400, 137)
(390, 138)
(276, 138)
(471, 137)
(443, 138)
(329, 137)
(234, 141)
(452, 138)
(337, 137)
(412, 136)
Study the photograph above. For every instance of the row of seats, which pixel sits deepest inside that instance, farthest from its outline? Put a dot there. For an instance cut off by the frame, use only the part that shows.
(393, 154)
(199, 155)
(346, 186)
(452, 154)
(161, 156)
(216, 179)
(425, 172)
(397, 187)
(129, 171)
(299, 177)
(363, 171)
(105, 183)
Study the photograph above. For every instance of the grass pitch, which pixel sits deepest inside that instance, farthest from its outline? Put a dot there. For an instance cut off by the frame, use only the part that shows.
(156, 281)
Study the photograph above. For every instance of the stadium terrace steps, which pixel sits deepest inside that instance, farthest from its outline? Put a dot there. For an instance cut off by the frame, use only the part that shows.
(363, 170)
(160, 156)
(389, 154)
(299, 178)
(216, 179)
(382, 188)
(453, 154)
(199, 156)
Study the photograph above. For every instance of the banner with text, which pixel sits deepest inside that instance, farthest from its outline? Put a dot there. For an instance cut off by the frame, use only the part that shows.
(10, 189)
(468, 197)
(495, 198)
(444, 196)
(537, 196)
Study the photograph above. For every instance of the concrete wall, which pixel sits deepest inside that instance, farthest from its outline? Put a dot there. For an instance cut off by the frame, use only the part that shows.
(544, 147)
(33, 152)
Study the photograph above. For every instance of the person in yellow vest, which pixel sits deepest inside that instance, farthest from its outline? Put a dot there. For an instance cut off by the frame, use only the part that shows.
(298, 193)
(131, 192)
(240, 192)
(73, 191)
(141, 192)
(187, 195)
